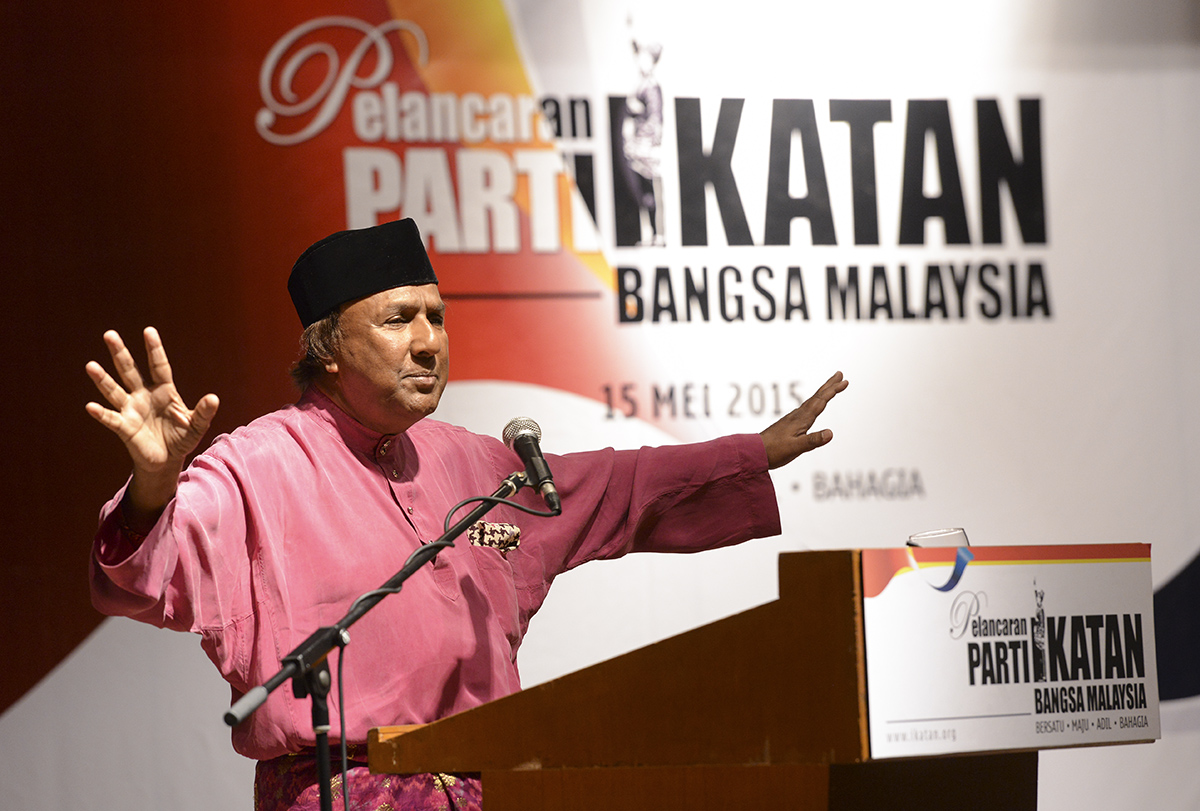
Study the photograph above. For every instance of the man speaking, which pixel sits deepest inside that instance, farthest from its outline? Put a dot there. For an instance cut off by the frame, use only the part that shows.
(276, 528)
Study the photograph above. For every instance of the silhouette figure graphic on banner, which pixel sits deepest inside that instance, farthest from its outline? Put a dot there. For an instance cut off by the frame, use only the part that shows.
(642, 135)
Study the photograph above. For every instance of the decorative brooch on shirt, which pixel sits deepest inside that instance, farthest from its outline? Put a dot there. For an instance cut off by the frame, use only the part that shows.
(501, 537)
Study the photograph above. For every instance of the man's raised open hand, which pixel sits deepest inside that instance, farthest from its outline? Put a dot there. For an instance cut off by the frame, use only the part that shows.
(150, 418)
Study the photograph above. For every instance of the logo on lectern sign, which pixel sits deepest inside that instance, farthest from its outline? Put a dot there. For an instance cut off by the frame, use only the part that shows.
(1008, 648)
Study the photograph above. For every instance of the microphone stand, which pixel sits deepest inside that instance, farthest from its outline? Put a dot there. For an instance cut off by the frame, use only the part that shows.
(307, 666)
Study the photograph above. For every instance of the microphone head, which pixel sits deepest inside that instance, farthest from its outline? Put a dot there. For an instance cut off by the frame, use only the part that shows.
(520, 426)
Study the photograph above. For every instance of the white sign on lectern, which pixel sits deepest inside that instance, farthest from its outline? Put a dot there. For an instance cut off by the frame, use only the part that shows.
(975, 649)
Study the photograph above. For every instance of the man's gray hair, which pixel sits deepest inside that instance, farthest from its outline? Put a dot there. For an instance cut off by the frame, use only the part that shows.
(318, 343)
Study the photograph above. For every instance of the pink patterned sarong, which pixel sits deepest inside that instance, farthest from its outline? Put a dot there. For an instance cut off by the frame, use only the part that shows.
(289, 783)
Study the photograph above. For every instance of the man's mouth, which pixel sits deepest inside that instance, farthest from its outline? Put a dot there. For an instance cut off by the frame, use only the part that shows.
(421, 376)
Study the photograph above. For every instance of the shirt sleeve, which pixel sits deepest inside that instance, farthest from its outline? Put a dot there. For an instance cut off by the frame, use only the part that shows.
(192, 570)
(683, 498)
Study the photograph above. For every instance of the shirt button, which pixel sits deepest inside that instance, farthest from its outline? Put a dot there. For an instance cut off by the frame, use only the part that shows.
(395, 473)
(410, 511)
(383, 446)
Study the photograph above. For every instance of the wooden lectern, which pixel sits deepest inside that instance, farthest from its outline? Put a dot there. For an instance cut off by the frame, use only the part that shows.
(764, 709)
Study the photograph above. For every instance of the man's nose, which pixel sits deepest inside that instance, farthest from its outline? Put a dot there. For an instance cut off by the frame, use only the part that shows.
(427, 338)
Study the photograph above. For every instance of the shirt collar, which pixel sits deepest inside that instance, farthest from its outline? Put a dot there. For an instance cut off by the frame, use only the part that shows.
(357, 436)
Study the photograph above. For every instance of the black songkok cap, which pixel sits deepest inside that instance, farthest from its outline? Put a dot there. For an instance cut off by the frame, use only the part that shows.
(349, 265)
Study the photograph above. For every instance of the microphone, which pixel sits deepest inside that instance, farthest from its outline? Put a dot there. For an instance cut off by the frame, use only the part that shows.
(521, 435)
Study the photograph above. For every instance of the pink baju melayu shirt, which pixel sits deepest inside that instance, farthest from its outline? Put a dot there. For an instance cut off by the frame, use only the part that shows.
(279, 526)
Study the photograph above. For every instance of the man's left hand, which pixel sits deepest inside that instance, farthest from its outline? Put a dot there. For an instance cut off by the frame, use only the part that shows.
(788, 438)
